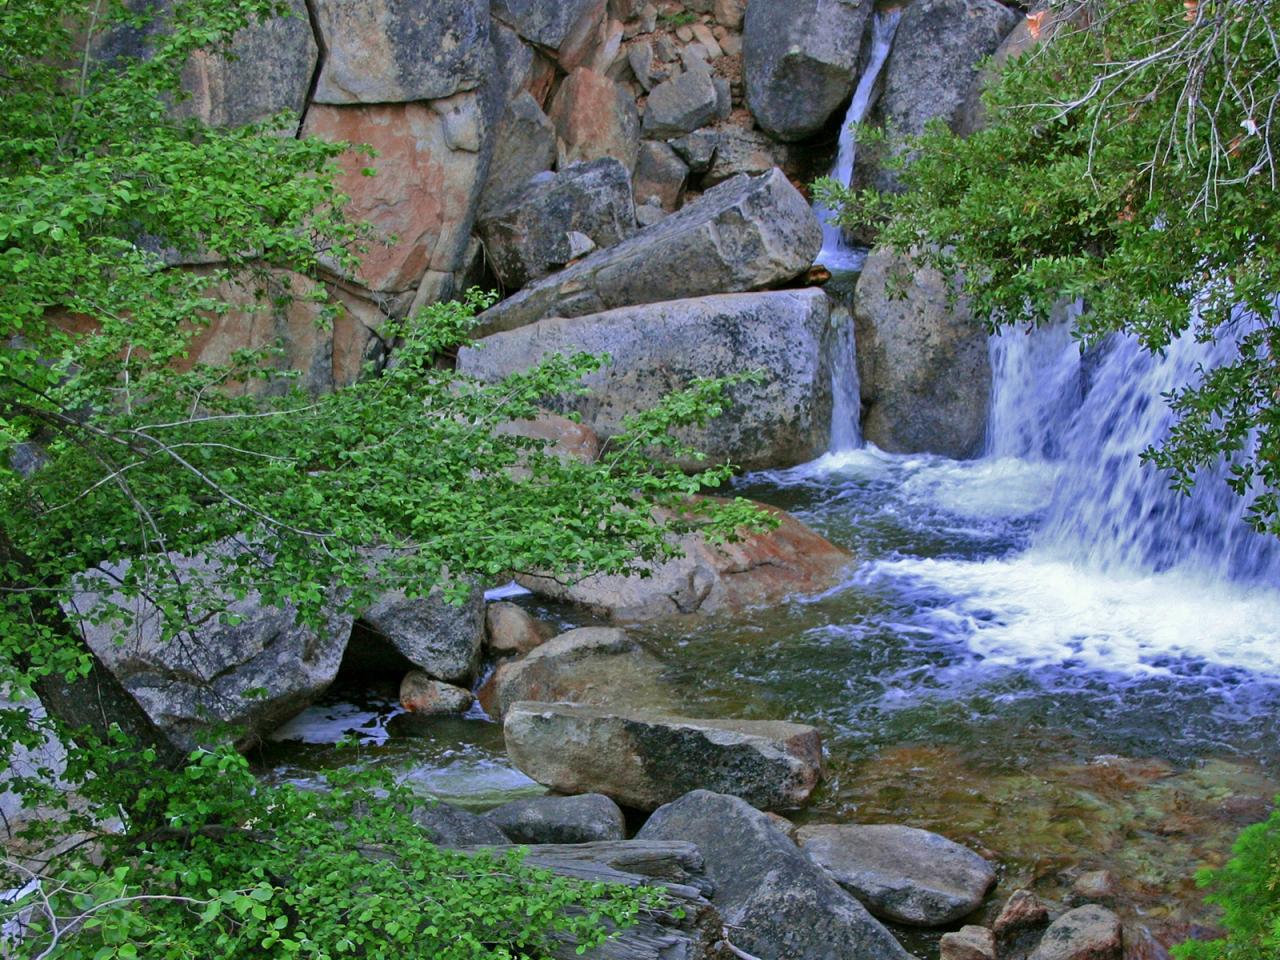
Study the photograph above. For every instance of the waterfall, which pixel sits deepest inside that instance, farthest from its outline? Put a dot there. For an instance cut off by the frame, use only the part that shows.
(836, 255)
(846, 403)
(1091, 415)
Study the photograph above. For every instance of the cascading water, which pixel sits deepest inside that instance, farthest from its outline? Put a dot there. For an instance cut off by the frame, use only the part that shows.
(836, 255)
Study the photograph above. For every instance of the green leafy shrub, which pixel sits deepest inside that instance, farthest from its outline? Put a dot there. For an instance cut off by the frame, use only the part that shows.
(1248, 891)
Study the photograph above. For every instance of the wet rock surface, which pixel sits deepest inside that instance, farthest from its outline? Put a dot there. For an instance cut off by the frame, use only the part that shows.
(643, 760)
(775, 901)
(901, 873)
(586, 818)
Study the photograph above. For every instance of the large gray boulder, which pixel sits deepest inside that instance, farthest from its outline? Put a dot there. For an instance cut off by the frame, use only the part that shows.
(451, 827)
(595, 665)
(923, 365)
(644, 760)
(800, 61)
(251, 670)
(528, 235)
(586, 818)
(759, 569)
(745, 234)
(930, 72)
(656, 348)
(442, 639)
(524, 145)
(776, 902)
(396, 51)
(901, 873)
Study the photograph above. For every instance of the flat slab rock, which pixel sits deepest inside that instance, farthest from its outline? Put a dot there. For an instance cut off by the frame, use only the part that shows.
(901, 873)
(748, 233)
(644, 760)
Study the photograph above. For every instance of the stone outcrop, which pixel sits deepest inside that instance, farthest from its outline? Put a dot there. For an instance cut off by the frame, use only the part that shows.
(800, 61)
(430, 167)
(593, 665)
(207, 675)
(1085, 933)
(394, 51)
(657, 348)
(270, 72)
(931, 69)
(774, 899)
(594, 117)
(901, 873)
(759, 569)
(644, 760)
(745, 234)
(528, 235)
(586, 818)
(923, 366)
(442, 639)
(524, 145)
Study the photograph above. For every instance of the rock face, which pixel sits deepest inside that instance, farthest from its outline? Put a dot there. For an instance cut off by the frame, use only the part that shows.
(271, 72)
(660, 347)
(901, 873)
(923, 365)
(800, 62)
(587, 818)
(420, 694)
(524, 145)
(201, 678)
(430, 168)
(759, 569)
(391, 51)
(440, 638)
(548, 23)
(1086, 933)
(594, 665)
(645, 760)
(745, 234)
(528, 235)
(773, 898)
(595, 117)
(930, 72)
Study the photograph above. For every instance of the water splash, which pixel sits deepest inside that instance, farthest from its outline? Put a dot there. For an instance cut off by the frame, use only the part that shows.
(836, 254)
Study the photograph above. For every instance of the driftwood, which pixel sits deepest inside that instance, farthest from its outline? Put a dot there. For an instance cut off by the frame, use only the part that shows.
(673, 865)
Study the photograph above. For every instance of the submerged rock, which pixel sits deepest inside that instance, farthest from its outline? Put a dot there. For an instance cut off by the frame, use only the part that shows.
(923, 366)
(745, 234)
(759, 569)
(800, 62)
(658, 348)
(595, 665)
(1086, 933)
(646, 759)
(586, 818)
(901, 873)
(775, 901)
(1021, 922)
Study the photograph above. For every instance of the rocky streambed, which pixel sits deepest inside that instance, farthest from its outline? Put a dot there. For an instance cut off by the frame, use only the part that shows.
(1078, 783)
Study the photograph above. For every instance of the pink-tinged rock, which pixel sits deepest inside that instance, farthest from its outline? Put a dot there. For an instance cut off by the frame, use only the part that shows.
(426, 187)
(587, 38)
(422, 694)
(393, 51)
(594, 117)
(1085, 933)
(968, 943)
(282, 309)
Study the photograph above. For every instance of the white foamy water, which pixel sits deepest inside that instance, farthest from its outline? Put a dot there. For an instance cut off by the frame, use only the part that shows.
(836, 254)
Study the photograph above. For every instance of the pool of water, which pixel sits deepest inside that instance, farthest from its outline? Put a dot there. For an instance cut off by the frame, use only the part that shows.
(966, 680)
